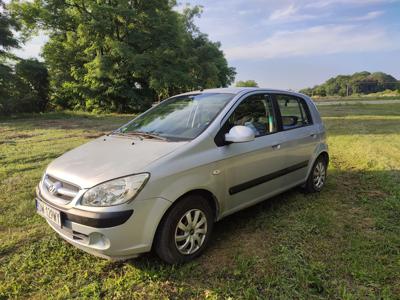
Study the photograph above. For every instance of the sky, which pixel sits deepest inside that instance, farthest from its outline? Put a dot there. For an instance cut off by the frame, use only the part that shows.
(296, 44)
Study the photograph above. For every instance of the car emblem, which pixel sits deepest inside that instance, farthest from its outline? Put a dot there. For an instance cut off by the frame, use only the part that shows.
(53, 189)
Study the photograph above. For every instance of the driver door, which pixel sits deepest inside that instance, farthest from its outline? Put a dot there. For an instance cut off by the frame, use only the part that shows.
(251, 168)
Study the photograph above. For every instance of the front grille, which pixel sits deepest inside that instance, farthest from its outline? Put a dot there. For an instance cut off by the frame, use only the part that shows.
(59, 189)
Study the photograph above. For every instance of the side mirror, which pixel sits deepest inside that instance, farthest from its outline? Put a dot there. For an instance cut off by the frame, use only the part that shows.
(289, 120)
(240, 134)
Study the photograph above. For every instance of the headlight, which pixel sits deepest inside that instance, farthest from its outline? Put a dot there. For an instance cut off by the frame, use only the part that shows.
(116, 191)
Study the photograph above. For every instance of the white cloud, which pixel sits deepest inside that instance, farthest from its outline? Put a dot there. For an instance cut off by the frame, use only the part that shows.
(325, 3)
(283, 13)
(369, 16)
(289, 14)
(318, 40)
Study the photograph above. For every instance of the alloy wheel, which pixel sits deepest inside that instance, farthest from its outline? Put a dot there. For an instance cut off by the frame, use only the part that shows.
(191, 231)
(319, 175)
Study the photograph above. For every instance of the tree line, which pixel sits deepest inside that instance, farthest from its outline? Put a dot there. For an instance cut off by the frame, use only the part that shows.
(105, 55)
(24, 84)
(358, 83)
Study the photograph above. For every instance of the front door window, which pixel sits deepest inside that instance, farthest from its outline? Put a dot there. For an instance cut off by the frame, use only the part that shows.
(257, 113)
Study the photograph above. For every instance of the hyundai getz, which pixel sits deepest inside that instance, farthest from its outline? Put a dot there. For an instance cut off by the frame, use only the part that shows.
(162, 180)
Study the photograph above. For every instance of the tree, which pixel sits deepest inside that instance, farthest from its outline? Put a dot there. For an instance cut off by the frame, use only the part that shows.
(247, 83)
(8, 80)
(24, 85)
(319, 91)
(122, 55)
(359, 83)
(307, 91)
(7, 25)
(34, 75)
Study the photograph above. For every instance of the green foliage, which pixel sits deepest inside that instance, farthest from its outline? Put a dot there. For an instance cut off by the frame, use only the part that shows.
(23, 87)
(108, 55)
(246, 83)
(34, 75)
(8, 82)
(358, 83)
(7, 24)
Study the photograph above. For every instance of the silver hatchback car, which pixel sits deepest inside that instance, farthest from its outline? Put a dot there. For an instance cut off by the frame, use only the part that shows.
(162, 180)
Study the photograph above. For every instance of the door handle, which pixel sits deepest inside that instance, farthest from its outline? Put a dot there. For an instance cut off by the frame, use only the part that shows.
(313, 135)
(276, 147)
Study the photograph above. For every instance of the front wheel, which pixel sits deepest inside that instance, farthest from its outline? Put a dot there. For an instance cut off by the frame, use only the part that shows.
(317, 178)
(185, 230)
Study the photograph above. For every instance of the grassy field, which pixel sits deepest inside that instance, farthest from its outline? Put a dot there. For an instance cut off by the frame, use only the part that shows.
(342, 243)
(355, 99)
(384, 95)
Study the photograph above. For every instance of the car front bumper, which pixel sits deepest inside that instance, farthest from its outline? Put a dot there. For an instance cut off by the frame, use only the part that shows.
(113, 235)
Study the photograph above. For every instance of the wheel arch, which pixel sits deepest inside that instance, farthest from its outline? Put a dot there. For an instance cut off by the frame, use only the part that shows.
(325, 155)
(322, 152)
(206, 194)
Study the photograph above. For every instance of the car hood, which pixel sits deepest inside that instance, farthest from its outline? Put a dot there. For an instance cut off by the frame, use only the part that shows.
(107, 158)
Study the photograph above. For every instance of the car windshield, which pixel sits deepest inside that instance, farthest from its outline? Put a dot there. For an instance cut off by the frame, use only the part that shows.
(179, 118)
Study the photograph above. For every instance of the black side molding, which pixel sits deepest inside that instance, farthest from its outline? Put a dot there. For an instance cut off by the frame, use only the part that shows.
(263, 179)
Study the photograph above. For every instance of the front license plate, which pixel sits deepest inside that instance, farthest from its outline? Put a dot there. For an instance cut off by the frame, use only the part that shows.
(48, 212)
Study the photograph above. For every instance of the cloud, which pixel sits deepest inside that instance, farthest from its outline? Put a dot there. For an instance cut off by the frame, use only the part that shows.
(283, 13)
(317, 40)
(325, 3)
(289, 14)
(369, 16)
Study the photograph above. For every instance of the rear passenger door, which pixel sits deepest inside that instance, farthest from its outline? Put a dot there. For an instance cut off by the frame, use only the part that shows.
(299, 138)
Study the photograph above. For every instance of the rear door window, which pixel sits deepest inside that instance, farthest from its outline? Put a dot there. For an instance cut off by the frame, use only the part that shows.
(294, 112)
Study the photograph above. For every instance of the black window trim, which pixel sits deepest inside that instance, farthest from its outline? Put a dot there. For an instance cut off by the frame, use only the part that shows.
(219, 139)
(278, 111)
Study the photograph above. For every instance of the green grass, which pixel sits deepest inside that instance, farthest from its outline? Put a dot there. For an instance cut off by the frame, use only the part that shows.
(394, 95)
(342, 243)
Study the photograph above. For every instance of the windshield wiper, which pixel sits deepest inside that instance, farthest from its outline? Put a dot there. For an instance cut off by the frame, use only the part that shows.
(114, 133)
(141, 133)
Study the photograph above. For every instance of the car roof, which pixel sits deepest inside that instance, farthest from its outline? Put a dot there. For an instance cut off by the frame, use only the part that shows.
(238, 90)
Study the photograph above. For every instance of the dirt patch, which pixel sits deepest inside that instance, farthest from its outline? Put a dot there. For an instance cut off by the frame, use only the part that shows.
(376, 194)
(73, 136)
(367, 223)
(7, 142)
(11, 139)
(23, 136)
(225, 250)
(64, 124)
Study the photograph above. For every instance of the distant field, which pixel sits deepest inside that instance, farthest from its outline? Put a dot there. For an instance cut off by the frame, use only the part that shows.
(357, 102)
(343, 243)
(356, 98)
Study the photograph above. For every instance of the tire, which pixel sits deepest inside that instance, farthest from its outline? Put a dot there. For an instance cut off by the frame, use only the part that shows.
(317, 178)
(177, 241)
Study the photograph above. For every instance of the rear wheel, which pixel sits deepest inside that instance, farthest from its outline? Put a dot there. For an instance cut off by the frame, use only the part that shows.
(317, 178)
(185, 230)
